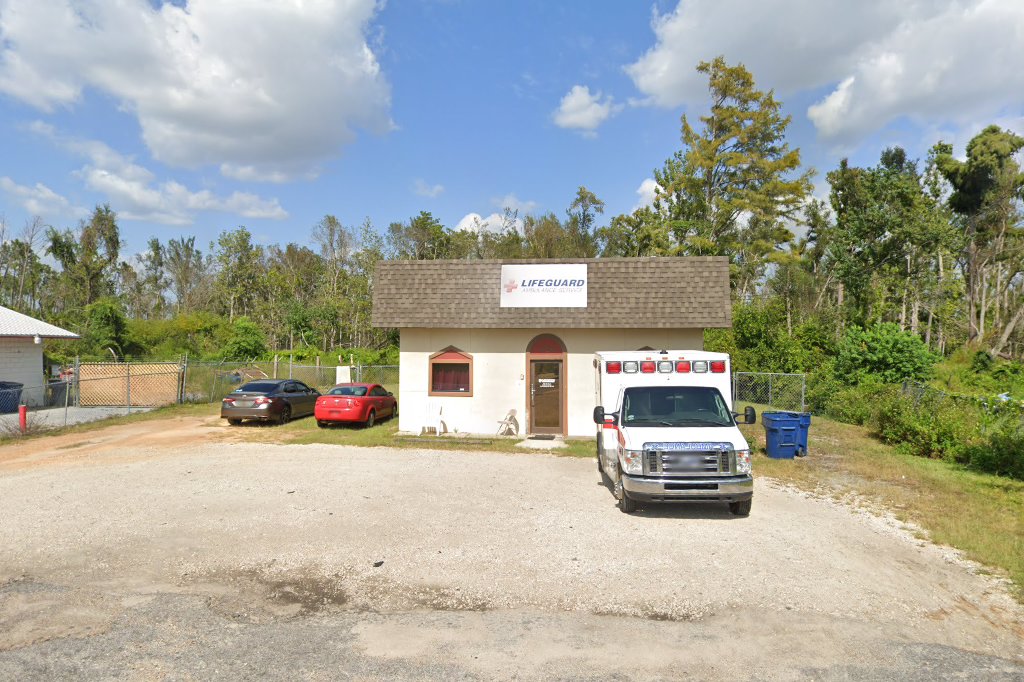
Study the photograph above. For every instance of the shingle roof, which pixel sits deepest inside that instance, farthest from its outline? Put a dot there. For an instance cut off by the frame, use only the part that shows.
(658, 293)
(15, 324)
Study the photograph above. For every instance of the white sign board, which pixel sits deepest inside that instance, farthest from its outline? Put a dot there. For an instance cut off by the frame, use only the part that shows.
(544, 286)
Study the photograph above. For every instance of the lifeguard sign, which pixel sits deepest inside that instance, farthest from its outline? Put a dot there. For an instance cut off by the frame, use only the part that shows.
(544, 286)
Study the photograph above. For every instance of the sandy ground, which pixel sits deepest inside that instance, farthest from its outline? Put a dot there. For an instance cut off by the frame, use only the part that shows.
(171, 549)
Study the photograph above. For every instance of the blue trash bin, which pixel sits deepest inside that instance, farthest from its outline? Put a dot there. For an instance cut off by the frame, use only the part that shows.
(10, 396)
(805, 427)
(782, 434)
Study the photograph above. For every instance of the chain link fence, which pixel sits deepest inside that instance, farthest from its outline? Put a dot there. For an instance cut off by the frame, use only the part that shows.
(207, 382)
(992, 410)
(385, 375)
(781, 391)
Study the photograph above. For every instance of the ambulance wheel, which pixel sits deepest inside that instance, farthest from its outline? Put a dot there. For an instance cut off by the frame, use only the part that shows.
(626, 505)
(599, 467)
(741, 508)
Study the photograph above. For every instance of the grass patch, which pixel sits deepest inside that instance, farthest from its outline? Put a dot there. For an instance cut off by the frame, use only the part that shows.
(980, 514)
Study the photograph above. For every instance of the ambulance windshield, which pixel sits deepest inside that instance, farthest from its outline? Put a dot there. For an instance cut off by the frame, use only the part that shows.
(675, 406)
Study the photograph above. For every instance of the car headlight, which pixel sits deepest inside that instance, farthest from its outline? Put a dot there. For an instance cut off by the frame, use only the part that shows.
(631, 461)
(743, 462)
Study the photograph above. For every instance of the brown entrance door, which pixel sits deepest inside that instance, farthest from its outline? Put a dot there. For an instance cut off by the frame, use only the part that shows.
(546, 396)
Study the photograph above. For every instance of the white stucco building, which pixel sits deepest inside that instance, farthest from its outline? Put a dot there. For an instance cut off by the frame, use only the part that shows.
(21, 352)
(481, 340)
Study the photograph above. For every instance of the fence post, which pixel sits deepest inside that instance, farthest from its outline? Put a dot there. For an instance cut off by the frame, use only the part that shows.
(78, 386)
(184, 378)
(213, 381)
(276, 360)
(67, 398)
(128, 385)
(770, 398)
(803, 393)
(290, 361)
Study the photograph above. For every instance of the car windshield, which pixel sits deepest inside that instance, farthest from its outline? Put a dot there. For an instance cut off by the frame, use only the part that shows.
(258, 387)
(347, 390)
(675, 406)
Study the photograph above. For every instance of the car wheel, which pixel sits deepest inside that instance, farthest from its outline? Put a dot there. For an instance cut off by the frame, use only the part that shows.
(322, 424)
(234, 422)
(370, 418)
(741, 508)
(394, 411)
(286, 415)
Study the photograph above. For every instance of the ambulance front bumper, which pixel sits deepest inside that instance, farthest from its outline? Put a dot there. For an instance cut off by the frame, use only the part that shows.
(720, 489)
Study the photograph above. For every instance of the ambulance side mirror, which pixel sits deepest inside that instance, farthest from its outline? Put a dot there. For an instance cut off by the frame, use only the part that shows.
(599, 415)
(749, 416)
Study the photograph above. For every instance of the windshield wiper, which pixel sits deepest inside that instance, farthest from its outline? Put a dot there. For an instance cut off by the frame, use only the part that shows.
(695, 420)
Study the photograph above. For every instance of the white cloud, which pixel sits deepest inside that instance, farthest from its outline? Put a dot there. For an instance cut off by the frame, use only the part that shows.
(421, 188)
(495, 222)
(944, 60)
(646, 191)
(137, 194)
(39, 199)
(514, 203)
(584, 111)
(951, 66)
(265, 90)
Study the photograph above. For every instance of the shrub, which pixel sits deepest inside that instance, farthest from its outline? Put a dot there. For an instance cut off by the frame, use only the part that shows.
(1002, 453)
(858, 404)
(883, 352)
(246, 341)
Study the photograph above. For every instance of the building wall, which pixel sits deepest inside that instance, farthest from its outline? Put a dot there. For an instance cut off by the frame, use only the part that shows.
(21, 360)
(500, 374)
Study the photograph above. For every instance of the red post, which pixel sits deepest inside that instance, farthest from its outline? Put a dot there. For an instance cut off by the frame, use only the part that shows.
(23, 418)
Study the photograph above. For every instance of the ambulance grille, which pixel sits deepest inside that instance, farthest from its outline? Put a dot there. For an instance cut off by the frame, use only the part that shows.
(686, 463)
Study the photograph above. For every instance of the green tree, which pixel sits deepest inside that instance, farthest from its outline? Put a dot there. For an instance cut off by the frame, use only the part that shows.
(733, 185)
(106, 328)
(88, 259)
(421, 238)
(581, 228)
(186, 269)
(638, 234)
(241, 276)
(987, 188)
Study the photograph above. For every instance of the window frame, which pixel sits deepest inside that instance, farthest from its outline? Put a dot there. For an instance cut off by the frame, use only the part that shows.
(445, 357)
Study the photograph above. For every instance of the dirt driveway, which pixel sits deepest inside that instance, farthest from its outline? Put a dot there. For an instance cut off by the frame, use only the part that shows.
(174, 549)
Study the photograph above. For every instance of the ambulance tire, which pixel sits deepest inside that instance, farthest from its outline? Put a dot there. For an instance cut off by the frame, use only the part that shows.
(599, 467)
(626, 505)
(741, 508)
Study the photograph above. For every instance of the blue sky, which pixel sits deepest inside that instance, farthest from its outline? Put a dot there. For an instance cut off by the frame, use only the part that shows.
(198, 116)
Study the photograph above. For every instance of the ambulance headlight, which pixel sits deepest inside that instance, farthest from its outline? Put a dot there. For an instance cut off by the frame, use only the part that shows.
(743, 462)
(632, 461)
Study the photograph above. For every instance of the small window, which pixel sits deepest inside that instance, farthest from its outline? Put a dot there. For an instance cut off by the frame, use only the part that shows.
(451, 373)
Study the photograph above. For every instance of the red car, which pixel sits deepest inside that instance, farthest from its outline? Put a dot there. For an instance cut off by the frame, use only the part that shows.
(362, 403)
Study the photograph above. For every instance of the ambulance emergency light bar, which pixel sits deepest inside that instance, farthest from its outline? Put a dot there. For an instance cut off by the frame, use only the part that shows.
(663, 366)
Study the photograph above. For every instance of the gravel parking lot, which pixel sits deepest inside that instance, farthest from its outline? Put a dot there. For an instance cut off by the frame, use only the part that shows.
(167, 550)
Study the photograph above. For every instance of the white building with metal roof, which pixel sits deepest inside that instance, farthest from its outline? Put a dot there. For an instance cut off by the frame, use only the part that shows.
(21, 352)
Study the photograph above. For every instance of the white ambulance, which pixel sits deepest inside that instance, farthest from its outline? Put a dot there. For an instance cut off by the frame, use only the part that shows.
(666, 429)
